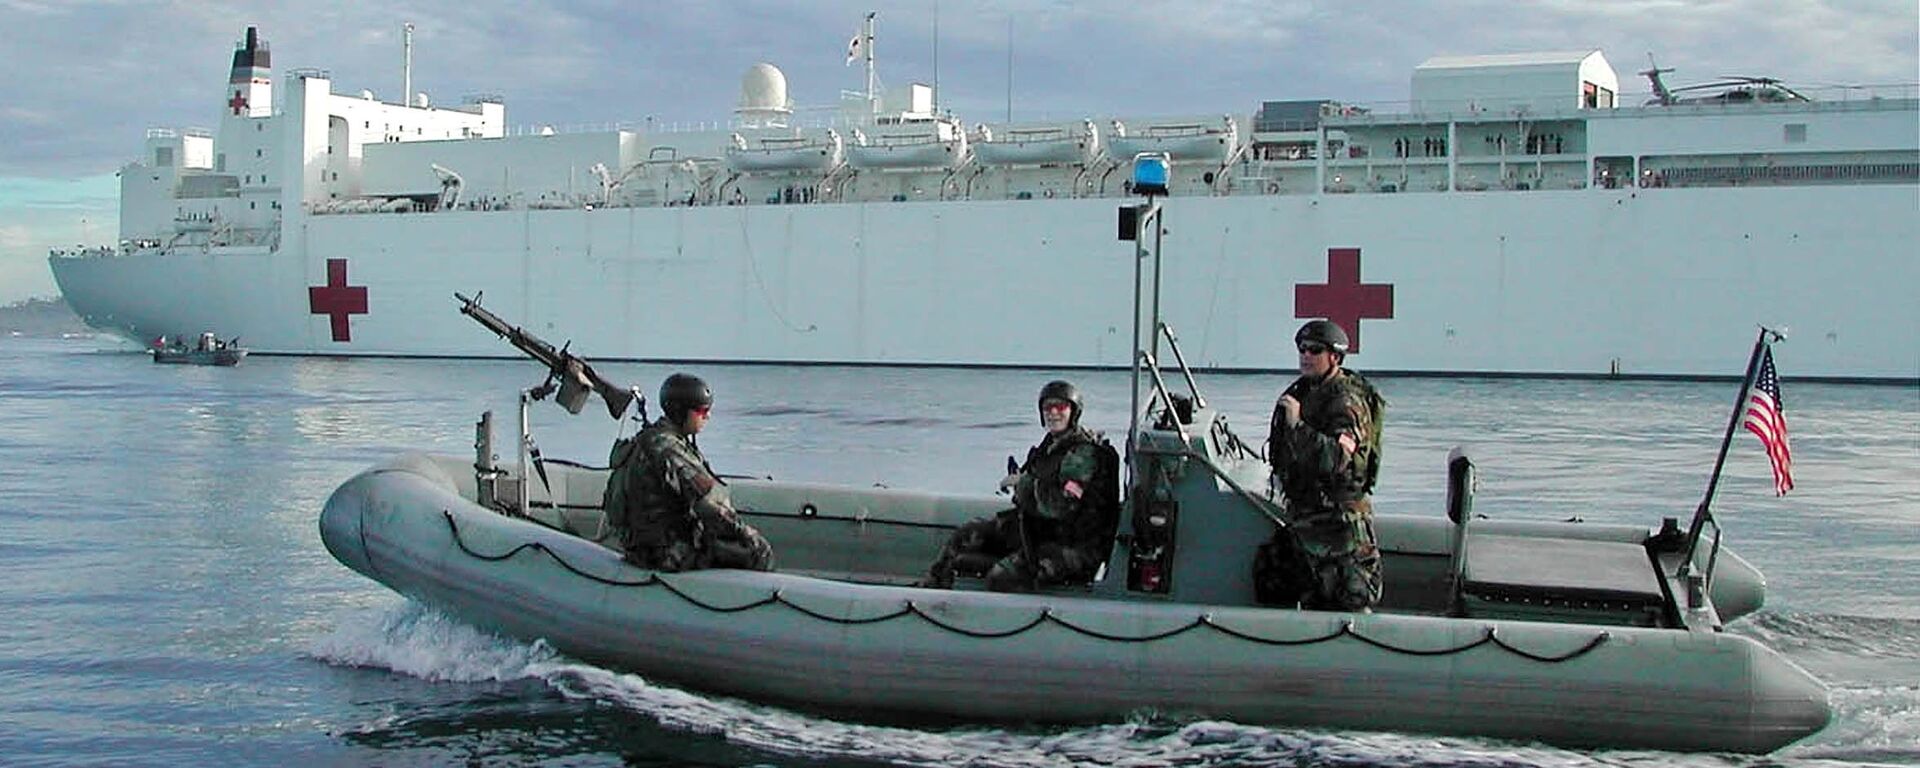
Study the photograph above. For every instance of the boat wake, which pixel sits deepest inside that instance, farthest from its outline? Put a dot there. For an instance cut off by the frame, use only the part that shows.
(420, 642)
(1867, 636)
(1872, 666)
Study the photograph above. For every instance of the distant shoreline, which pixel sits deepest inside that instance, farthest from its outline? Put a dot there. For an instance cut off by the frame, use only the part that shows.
(42, 318)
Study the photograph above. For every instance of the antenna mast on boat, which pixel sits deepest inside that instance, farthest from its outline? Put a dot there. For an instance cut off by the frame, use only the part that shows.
(1151, 172)
(406, 64)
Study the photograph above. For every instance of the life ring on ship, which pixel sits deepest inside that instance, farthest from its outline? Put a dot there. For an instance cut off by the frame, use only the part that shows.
(1273, 187)
(1048, 194)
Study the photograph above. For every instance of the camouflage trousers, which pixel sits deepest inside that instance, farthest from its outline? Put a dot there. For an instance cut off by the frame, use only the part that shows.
(749, 552)
(990, 547)
(1326, 560)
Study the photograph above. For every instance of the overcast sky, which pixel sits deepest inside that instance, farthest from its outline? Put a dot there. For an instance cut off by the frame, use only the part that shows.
(83, 80)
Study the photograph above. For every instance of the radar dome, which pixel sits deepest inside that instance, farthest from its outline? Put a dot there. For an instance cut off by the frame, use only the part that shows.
(763, 88)
(763, 96)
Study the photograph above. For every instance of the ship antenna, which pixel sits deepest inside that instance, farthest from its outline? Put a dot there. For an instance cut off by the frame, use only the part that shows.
(936, 57)
(406, 65)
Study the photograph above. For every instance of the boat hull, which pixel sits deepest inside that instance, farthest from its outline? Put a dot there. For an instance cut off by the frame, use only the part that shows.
(896, 652)
(219, 357)
(1558, 283)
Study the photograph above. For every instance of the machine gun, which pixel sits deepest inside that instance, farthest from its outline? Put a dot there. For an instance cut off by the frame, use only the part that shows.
(574, 378)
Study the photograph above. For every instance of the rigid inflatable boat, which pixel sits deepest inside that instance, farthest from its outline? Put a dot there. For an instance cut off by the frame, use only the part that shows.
(1574, 634)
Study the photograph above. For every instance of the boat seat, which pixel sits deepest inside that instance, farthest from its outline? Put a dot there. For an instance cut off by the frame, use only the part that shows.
(1561, 580)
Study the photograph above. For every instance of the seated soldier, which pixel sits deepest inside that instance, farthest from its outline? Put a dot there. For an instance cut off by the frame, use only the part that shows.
(666, 506)
(1066, 505)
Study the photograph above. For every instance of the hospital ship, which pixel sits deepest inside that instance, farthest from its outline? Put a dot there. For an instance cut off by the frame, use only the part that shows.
(1513, 218)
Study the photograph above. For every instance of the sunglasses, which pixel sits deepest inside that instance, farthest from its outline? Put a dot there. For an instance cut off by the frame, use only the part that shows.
(1311, 348)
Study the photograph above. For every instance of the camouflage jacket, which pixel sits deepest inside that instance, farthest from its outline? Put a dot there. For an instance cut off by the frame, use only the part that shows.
(1312, 470)
(1065, 493)
(675, 496)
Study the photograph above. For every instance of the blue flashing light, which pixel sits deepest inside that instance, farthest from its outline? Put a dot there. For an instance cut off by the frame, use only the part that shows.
(1150, 173)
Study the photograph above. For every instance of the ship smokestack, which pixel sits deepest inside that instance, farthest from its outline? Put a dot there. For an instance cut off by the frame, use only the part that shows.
(251, 55)
(250, 84)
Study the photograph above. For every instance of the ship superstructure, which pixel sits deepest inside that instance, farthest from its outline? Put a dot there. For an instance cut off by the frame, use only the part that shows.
(1512, 218)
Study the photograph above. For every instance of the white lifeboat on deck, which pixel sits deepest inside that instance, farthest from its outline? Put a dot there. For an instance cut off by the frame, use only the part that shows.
(761, 154)
(906, 145)
(1183, 141)
(1037, 145)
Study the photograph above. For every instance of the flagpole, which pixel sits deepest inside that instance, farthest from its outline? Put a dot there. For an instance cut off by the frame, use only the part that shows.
(1702, 513)
(868, 33)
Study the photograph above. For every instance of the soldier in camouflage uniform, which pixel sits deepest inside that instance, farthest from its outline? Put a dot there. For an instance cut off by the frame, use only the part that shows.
(1325, 448)
(676, 515)
(1066, 505)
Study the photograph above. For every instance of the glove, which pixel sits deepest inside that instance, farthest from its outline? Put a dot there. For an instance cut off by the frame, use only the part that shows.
(1007, 483)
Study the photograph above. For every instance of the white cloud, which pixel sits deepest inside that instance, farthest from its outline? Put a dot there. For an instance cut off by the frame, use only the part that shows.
(23, 275)
(37, 215)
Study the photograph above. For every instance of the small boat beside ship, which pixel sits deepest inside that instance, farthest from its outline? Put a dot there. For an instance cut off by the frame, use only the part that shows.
(207, 350)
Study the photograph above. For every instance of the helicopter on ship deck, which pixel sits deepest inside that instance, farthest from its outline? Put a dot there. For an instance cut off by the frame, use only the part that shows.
(1729, 89)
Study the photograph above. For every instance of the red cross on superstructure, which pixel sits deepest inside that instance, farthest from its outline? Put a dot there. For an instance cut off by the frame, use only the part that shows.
(336, 299)
(238, 102)
(1343, 298)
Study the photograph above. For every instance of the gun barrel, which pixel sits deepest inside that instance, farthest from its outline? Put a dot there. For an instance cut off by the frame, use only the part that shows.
(471, 308)
(533, 345)
(562, 364)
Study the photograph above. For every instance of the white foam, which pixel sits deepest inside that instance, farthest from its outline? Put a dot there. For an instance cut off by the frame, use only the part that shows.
(413, 640)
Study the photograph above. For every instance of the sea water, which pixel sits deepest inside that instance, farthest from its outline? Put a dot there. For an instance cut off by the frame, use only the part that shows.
(165, 598)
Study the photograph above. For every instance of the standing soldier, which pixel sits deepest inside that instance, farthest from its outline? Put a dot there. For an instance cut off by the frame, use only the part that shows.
(663, 501)
(1325, 447)
(1066, 504)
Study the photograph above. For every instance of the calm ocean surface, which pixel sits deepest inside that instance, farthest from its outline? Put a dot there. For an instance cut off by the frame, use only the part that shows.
(165, 599)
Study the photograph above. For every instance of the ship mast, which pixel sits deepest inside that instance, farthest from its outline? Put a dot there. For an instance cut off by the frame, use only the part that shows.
(406, 64)
(866, 46)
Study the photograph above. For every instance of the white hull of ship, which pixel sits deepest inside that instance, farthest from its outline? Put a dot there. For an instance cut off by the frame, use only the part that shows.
(1663, 282)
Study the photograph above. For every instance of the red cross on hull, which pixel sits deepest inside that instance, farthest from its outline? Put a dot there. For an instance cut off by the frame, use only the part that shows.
(238, 102)
(337, 300)
(1343, 298)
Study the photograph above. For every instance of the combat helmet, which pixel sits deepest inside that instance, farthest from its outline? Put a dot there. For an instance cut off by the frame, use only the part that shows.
(1325, 332)
(1060, 389)
(683, 392)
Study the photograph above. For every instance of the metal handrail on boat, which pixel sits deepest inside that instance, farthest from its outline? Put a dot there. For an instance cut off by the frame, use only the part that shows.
(1265, 507)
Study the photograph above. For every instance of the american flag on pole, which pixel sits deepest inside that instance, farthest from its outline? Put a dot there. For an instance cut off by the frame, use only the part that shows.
(1767, 418)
